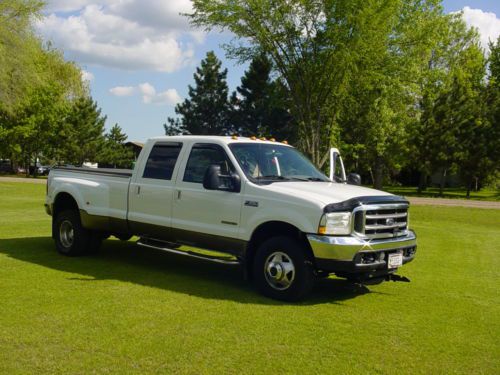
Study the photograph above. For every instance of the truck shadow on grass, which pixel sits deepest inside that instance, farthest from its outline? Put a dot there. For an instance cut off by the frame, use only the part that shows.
(124, 261)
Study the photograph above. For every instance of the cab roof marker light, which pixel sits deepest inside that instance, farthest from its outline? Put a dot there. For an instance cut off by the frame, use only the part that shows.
(284, 142)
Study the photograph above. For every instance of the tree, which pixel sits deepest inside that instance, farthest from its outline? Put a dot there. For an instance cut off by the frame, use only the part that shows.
(82, 134)
(114, 152)
(36, 85)
(17, 46)
(379, 107)
(36, 121)
(481, 157)
(319, 47)
(433, 138)
(259, 105)
(206, 111)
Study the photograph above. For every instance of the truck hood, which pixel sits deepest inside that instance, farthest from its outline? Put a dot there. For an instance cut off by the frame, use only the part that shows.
(322, 192)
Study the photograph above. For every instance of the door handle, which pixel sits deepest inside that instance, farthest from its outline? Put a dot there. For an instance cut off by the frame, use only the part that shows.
(179, 194)
(138, 190)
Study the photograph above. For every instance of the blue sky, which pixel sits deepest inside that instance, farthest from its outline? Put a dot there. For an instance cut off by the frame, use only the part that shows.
(139, 56)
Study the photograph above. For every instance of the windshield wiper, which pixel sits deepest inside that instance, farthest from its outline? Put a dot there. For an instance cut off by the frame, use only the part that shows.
(307, 178)
(290, 178)
(316, 179)
(272, 177)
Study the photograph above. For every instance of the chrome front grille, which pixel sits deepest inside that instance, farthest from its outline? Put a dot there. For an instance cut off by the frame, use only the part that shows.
(381, 221)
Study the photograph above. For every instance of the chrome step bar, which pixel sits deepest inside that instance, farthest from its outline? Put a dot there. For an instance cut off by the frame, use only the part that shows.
(163, 246)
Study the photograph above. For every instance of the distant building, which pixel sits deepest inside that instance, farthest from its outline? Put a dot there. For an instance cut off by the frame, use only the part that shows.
(136, 147)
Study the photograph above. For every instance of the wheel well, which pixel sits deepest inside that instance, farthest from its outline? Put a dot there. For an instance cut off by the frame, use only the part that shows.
(64, 201)
(268, 230)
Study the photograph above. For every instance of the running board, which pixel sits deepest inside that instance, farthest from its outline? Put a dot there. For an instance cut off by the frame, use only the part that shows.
(163, 246)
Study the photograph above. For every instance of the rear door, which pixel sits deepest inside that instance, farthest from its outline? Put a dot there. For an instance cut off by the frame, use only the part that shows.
(151, 193)
(201, 217)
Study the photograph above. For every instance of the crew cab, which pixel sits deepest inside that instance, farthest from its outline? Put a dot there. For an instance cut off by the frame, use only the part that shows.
(257, 203)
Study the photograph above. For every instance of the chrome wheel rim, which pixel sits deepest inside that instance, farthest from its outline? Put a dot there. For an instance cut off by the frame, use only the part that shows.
(66, 233)
(279, 270)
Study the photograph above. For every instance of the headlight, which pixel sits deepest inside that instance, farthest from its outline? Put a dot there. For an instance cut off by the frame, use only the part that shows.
(335, 223)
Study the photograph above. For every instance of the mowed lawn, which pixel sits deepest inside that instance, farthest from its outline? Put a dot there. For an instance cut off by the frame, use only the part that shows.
(132, 310)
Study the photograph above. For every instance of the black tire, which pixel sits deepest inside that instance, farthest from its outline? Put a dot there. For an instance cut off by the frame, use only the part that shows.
(71, 238)
(273, 275)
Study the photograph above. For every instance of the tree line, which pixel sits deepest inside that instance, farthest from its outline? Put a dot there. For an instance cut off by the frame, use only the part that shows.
(46, 111)
(396, 85)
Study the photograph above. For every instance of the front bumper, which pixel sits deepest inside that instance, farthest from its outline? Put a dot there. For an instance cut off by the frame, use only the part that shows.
(350, 254)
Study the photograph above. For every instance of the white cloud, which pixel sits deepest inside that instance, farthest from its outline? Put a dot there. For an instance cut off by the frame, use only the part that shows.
(66, 5)
(126, 34)
(87, 76)
(122, 90)
(148, 93)
(487, 23)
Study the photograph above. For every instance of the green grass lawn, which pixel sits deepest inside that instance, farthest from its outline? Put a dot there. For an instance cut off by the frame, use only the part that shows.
(486, 194)
(132, 310)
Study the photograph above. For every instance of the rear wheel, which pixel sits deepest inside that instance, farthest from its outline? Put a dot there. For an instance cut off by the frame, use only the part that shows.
(71, 238)
(282, 270)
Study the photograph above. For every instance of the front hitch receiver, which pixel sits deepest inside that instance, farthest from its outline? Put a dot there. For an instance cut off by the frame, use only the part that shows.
(394, 277)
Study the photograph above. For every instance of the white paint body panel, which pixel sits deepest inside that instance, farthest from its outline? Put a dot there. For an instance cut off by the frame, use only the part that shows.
(97, 194)
(298, 203)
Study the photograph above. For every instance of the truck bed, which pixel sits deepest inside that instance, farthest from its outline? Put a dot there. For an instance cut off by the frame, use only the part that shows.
(100, 192)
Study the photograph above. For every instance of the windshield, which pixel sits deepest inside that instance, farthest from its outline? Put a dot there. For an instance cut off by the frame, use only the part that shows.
(263, 161)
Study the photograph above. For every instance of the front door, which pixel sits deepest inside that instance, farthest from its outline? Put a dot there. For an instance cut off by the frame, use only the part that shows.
(206, 218)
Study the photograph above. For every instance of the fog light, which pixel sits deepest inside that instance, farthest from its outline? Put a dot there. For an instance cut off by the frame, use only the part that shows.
(368, 258)
(410, 252)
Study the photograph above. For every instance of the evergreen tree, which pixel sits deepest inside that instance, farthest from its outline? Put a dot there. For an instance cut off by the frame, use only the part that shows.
(259, 104)
(82, 135)
(206, 111)
(114, 152)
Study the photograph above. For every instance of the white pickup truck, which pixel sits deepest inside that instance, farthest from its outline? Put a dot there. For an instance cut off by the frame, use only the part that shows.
(259, 202)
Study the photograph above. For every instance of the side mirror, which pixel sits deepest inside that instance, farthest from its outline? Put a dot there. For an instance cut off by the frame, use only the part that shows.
(214, 180)
(354, 179)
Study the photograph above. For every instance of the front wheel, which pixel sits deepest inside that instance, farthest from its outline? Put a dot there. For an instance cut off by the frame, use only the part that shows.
(282, 270)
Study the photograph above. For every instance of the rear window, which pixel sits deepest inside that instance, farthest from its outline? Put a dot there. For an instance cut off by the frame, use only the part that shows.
(161, 161)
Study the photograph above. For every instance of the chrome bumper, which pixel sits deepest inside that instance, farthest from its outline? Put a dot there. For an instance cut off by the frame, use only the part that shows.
(346, 248)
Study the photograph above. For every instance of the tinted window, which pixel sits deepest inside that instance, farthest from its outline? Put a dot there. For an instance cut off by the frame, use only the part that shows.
(161, 161)
(201, 157)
